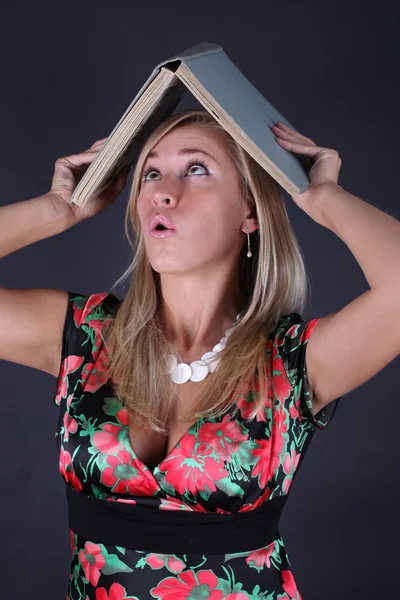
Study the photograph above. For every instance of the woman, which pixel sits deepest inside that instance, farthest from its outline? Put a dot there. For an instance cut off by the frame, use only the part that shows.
(187, 408)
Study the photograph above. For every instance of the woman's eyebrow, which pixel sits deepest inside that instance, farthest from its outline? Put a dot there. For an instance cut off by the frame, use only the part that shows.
(184, 152)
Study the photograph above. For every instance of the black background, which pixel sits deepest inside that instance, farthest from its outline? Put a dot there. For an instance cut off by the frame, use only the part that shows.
(68, 72)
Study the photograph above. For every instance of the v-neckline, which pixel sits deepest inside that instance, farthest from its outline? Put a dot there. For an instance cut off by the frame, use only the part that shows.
(166, 457)
(188, 432)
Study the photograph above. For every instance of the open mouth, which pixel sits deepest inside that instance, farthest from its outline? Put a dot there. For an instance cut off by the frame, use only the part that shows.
(160, 231)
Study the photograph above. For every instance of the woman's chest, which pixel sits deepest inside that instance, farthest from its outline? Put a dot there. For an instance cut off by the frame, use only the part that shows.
(153, 447)
(224, 461)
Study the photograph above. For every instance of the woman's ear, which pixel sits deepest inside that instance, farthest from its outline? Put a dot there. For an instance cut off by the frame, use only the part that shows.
(250, 221)
(251, 225)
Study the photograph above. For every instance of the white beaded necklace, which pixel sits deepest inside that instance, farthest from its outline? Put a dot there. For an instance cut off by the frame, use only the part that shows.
(198, 369)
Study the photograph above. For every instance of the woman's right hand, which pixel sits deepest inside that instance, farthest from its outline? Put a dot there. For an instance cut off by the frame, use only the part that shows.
(68, 172)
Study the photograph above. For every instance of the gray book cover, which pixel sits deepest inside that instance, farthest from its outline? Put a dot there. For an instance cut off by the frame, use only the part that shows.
(235, 95)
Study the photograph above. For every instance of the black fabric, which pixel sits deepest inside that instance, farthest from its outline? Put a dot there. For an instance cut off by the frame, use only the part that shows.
(173, 531)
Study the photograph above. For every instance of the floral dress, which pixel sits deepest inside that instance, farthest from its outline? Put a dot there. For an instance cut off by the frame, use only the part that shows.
(221, 465)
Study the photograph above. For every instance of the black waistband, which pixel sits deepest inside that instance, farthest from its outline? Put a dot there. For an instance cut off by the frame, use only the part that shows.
(172, 531)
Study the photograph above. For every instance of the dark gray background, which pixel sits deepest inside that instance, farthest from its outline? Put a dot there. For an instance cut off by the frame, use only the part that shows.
(68, 72)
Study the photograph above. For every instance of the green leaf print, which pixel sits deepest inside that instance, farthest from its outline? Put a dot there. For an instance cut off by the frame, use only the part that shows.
(166, 487)
(257, 595)
(141, 563)
(88, 426)
(111, 406)
(241, 462)
(224, 586)
(98, 493)
(206, 493)
(244, 456)
(228, 487)
(237, 555)
(115, 565)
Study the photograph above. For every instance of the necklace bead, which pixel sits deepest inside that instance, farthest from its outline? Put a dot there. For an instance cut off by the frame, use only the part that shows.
(198, 369)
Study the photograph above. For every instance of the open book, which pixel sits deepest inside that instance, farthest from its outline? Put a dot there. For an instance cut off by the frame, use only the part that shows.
(206, 72)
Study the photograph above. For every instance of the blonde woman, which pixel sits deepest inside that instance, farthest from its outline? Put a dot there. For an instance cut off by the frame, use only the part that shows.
(186, 409)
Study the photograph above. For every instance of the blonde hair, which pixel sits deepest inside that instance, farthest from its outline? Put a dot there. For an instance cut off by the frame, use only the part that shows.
(273, 282)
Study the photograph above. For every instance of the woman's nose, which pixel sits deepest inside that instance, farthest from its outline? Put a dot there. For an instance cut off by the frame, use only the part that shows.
(166, 193)
(163, 198)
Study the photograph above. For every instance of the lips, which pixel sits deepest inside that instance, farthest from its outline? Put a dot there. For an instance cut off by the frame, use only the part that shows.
(160, 220)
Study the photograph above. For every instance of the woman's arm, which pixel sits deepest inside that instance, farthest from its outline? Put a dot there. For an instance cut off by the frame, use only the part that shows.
(29, 221)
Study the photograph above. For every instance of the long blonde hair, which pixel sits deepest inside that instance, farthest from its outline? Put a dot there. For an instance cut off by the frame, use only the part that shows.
(273, 282)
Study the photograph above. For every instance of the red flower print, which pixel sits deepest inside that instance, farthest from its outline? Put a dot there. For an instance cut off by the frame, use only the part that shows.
(259, 558)
(189, 584)
(77, 310)
(280, 419)
(256, 503)
(189, 470)
(155, 561)
(175, 565)
(107, 440)
(92, 560)
(69, 365)
(70, 424)
(223, 437)
(97, 326)
(246, 407)
(122, 416)
(289, 585)
(249, 395)
(72, 541)
(91, 303)
(96, 321)
(265, 465)
(290, 465)
(116, 592)
(158, 561)
(239, 596)
(125, 476)
(95, 375)
(294, 410)
(67, 470)
(282, 385)
(269, 450)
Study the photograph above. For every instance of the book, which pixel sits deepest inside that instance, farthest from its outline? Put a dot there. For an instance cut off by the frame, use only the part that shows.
(220, 87)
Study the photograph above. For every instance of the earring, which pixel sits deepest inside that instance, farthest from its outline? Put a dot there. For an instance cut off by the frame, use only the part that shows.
(249, 254)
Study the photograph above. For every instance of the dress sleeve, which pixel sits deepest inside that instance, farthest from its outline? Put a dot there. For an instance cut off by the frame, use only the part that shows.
(293, 333)
(85, 317)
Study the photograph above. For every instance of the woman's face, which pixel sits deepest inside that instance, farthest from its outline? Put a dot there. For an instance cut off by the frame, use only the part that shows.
(190, 178)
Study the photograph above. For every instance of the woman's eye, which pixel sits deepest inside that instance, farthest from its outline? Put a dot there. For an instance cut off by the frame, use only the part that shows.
(148, 174)
(196, 167)
(189, 169)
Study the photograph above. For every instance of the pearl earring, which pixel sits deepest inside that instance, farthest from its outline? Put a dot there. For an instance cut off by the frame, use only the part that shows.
(249, 254)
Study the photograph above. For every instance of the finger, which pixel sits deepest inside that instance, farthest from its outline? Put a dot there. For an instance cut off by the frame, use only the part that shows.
(96, 146)
(282, 135)
(99, 142)
(292, 135)
(77, 160)
(287, 132)
(307, 149)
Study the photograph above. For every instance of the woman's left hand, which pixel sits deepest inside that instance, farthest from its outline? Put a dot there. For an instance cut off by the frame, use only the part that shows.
(323, 174)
